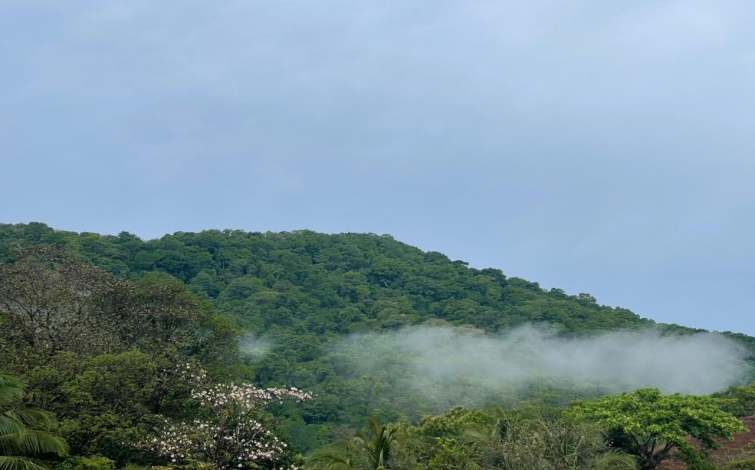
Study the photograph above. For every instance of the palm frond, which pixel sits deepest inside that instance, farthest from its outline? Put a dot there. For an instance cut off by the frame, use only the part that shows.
(10, 444)
(613, 460)
(24, 431)
(32, 417)
(36, 442)
(8, 425)
(18, 463)
(11, 388)
(331, 458)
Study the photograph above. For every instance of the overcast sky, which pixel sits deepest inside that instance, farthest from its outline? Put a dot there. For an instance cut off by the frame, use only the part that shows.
(595, 146)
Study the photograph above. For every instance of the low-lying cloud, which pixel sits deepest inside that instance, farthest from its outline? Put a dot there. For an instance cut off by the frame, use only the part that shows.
(451, 366)
(254, 348)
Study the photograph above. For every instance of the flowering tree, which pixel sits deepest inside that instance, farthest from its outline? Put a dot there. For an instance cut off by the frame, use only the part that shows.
(230, 436)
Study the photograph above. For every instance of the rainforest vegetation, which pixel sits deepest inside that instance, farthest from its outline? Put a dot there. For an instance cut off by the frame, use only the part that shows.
(230, 349)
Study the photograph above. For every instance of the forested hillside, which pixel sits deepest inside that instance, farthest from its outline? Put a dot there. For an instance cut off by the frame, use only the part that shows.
(289, 300)
(325, 284)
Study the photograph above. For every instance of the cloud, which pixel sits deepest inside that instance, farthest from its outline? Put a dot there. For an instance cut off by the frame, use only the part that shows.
(454, 367)
(672, 30)
(254, 348)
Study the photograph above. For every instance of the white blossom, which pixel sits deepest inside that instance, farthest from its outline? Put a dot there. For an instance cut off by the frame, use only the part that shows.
(230, 437)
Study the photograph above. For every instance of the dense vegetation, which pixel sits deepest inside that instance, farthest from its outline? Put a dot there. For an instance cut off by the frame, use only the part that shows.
(96, 326)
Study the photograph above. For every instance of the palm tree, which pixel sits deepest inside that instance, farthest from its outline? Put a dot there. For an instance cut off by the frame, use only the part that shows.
(24, 432)
(376, 444)
(366, 451)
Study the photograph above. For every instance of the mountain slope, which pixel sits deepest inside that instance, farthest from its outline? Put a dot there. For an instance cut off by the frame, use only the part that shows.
(331, 283)
(296, 294)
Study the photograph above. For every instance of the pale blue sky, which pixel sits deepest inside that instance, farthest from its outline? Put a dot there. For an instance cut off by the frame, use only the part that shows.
(599, 147)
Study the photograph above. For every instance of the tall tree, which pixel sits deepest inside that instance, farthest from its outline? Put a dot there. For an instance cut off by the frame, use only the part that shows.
(51, 302)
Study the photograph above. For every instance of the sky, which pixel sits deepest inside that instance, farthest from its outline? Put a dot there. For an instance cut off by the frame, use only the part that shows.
(592, 146)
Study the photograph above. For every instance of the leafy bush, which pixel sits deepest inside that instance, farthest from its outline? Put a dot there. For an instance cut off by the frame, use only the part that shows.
(748, 464)
(95, 462)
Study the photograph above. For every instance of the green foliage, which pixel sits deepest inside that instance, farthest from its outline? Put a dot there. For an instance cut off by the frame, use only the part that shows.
(738, 400)
(295, 291)
(501, 439)
(530, 443)
(26, 434)
(367, 450)
(151, 303)
(250, 276)
(100, 351)
(650, 425)
(748, 464)
(95, 462)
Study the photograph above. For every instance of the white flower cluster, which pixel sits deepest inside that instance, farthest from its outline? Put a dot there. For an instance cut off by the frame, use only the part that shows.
(231, 438)
(191, 373)
(246, 397)
(235, 447)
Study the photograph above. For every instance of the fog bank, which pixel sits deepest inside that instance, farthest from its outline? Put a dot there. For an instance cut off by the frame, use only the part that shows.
(457, 367)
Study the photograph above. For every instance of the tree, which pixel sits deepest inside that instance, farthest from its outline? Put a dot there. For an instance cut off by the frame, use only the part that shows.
(24, 432)
(366, 451)
(376, 442)
(738, 400)
(491, 439)
(230, 434)
(51, 301)
(520, 442)
(652, 426)
(98, 351)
